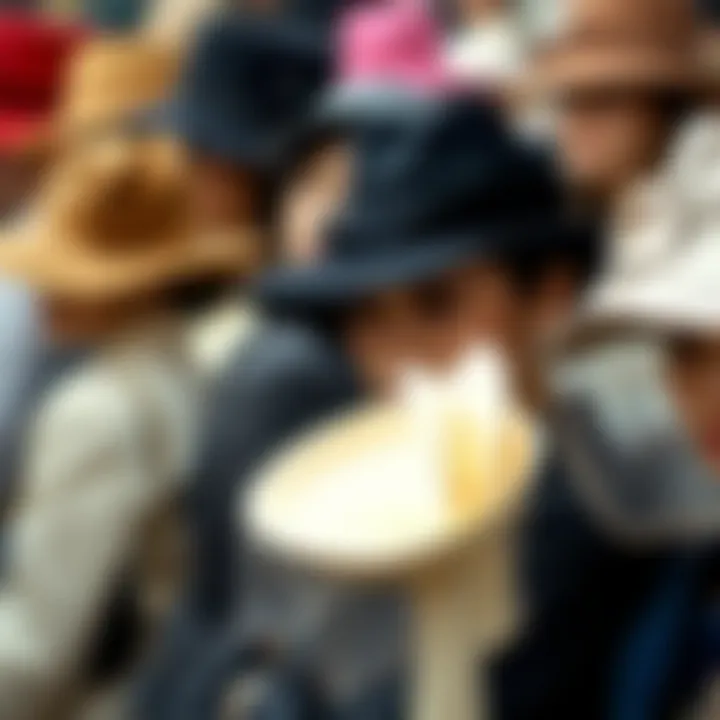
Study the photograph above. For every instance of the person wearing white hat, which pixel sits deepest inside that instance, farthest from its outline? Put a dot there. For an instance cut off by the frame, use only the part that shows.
(644, 360)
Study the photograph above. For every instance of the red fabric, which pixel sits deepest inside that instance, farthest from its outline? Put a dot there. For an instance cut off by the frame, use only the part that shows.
(34, 52)
(20, 130)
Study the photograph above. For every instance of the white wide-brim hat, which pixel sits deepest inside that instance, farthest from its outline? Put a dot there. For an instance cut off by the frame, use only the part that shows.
(631, 461)
(392, 487)
(664, 274)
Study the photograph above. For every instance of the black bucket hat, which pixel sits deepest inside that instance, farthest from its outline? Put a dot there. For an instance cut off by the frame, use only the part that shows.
(247, 84)
(432, 192)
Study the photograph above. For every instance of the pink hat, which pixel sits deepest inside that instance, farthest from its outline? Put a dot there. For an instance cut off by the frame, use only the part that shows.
(395, 44)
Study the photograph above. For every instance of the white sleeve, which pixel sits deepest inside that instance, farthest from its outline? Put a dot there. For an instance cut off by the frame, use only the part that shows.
(85, 494)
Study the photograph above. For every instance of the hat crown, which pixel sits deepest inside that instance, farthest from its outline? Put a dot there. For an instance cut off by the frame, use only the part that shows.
(247, 83)
(398, 41)
(676, 212)
(455, 172)
(671, 23)
(119, 199)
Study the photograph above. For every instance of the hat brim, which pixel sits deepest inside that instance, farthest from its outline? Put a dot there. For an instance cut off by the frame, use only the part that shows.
(67, 270)
(571, 69)
(335, 284)
(357, 497)
(347, 103)
(207, 136)
(612, 316)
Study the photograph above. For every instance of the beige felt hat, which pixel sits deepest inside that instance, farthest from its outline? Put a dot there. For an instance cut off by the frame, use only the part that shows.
(625, 44)
(664, 273)
(390, 488)
(112, 221)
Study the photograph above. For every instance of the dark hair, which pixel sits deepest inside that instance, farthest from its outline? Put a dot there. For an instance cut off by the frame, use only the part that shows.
(193, 297)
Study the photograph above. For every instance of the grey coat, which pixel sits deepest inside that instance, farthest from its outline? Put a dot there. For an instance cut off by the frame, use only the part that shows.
(283, 378)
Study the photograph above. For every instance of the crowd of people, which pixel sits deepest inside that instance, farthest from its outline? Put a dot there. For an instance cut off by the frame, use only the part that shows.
(215, 240)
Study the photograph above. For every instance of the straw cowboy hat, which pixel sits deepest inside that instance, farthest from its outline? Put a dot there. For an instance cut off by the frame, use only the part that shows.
(110, 81)
(390, 487)
(664, 271)
(112, 221)
(609, 44)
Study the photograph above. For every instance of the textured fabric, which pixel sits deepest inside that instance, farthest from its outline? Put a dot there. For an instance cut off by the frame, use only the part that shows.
(582, 589)
(87, 487)
(278, 382)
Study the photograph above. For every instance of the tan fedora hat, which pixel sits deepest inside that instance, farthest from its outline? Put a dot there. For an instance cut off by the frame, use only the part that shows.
(624, 44)
(110, 80)
(112, 221)
(664, 274)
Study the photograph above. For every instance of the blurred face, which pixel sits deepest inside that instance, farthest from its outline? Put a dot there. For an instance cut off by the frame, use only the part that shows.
(694, 381)
(430, 325)
(608, 140)
(311, 199)
(222, 195)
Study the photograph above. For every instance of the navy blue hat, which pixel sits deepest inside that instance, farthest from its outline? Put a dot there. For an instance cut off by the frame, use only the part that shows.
(247, 83)
(430, 193)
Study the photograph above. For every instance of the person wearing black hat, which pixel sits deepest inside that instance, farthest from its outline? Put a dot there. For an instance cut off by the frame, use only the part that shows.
(448, 223)
(247, 86)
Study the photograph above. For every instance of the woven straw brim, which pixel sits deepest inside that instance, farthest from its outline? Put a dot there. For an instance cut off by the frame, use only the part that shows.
(69, 270)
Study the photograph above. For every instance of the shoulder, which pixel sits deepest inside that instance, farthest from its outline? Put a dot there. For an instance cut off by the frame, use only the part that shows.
(90, 394)
(86, 415)
(287, 357)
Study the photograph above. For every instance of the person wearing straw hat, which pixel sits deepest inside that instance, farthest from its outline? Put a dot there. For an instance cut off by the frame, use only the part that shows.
(659, 492)
(113, 257)
(103, 84)
(34, 54)
(426, 258)
(622, 76)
